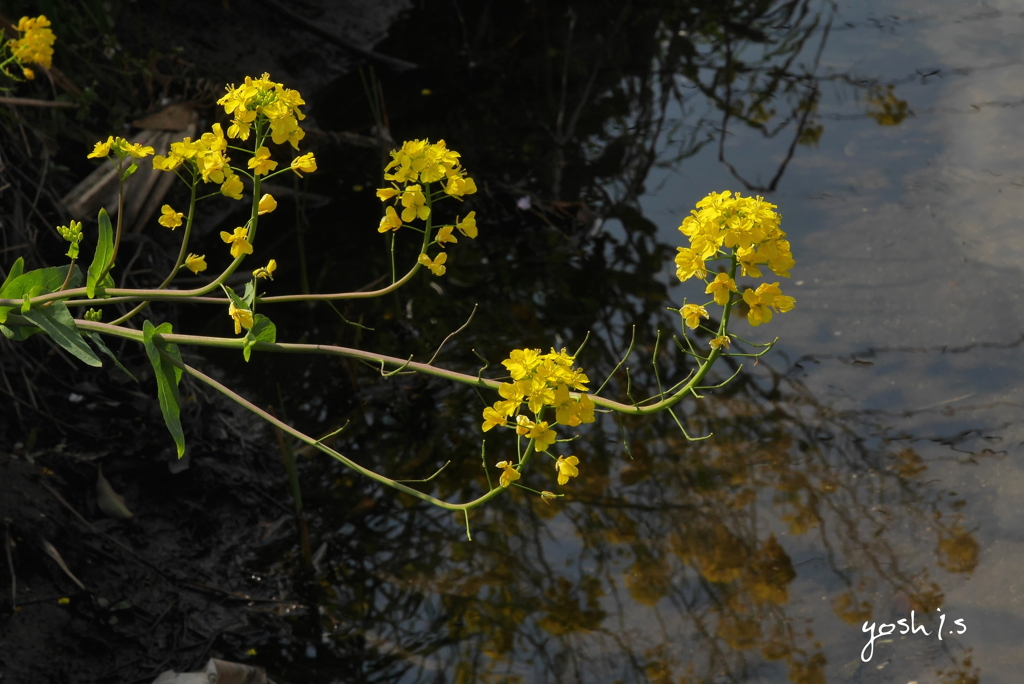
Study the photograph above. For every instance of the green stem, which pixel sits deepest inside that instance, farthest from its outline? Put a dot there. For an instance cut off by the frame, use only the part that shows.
(120, 221)
(381, 359)
(181, 256)
(306, 439)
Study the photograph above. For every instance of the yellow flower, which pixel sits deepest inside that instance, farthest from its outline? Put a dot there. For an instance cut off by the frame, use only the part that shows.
(436, 265)
(720, 342)
(387, 193)
(238, 242)
(749, 258)
(759, 313)
(170, 218)
(415, 203)
(267, 271)
(102, 149)
(542, 435)
(305, 163)
(267, 204)
(521, 362)
(547, 497)
(566, 468)
(195, 263)
(136, 150)
(241, 317)
(28, 74)
(445, 235)
(771, 295)
(692, 314)
(720, 287)
(509, 473)
(64, 601)
(232, 187)
(35, 45)
(458, 186)
(689, 263)
(261, 162)
(286, 129)
(467, 226)
(389, 221)
(493, 419)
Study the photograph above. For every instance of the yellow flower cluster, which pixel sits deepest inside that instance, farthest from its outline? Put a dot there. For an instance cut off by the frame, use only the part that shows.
(540, 381)
(416, 165)
(120, 147)
(420, 161)
(209, 157)
(35, 45)
(764, 300)
(278, 104)
(749, 226)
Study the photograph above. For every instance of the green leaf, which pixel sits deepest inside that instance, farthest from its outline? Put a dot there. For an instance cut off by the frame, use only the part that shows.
(16, 270)
(250, 295)
(57, 322)
(98, 341)
(19, 333)
(129, 171)
(262, 331)
(33, 283)
(101, 259)
(167, 378)
(239, 303)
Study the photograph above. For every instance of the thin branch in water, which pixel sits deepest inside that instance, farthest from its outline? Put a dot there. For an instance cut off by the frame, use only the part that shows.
(629, 389)
(452, 334)
(397, 370)
(582, 345)
(654, 362)
(352, 323)
(332, 434)
(722, 384)
(431, 477)
(629, 351)
(686, 434)
(483, 461)
(625, 437)
(486, 365)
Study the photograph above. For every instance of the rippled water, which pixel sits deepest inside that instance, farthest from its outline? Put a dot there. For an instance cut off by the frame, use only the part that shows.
(865, 469)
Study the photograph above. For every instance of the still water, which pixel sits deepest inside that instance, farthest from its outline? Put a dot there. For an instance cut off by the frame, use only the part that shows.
(865, 471)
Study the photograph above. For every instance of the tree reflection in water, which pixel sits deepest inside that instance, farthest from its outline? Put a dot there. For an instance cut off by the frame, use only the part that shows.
(669, 560)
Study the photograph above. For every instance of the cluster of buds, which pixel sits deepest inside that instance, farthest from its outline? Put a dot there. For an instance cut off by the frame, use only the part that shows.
(72, 234)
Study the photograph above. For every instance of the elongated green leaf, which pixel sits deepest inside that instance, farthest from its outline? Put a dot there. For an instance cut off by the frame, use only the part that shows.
(250, 295)
(98, 341)
(104, 252)
(33, 283)
(262, 331)
(57, 322)
(167, 377)
(17, 268)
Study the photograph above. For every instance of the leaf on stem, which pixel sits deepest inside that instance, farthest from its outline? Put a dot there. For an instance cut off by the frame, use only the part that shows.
(168, 376)
(101, 259)
(57, 322)
(98, 341)
(262, 331)
(34, 283)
